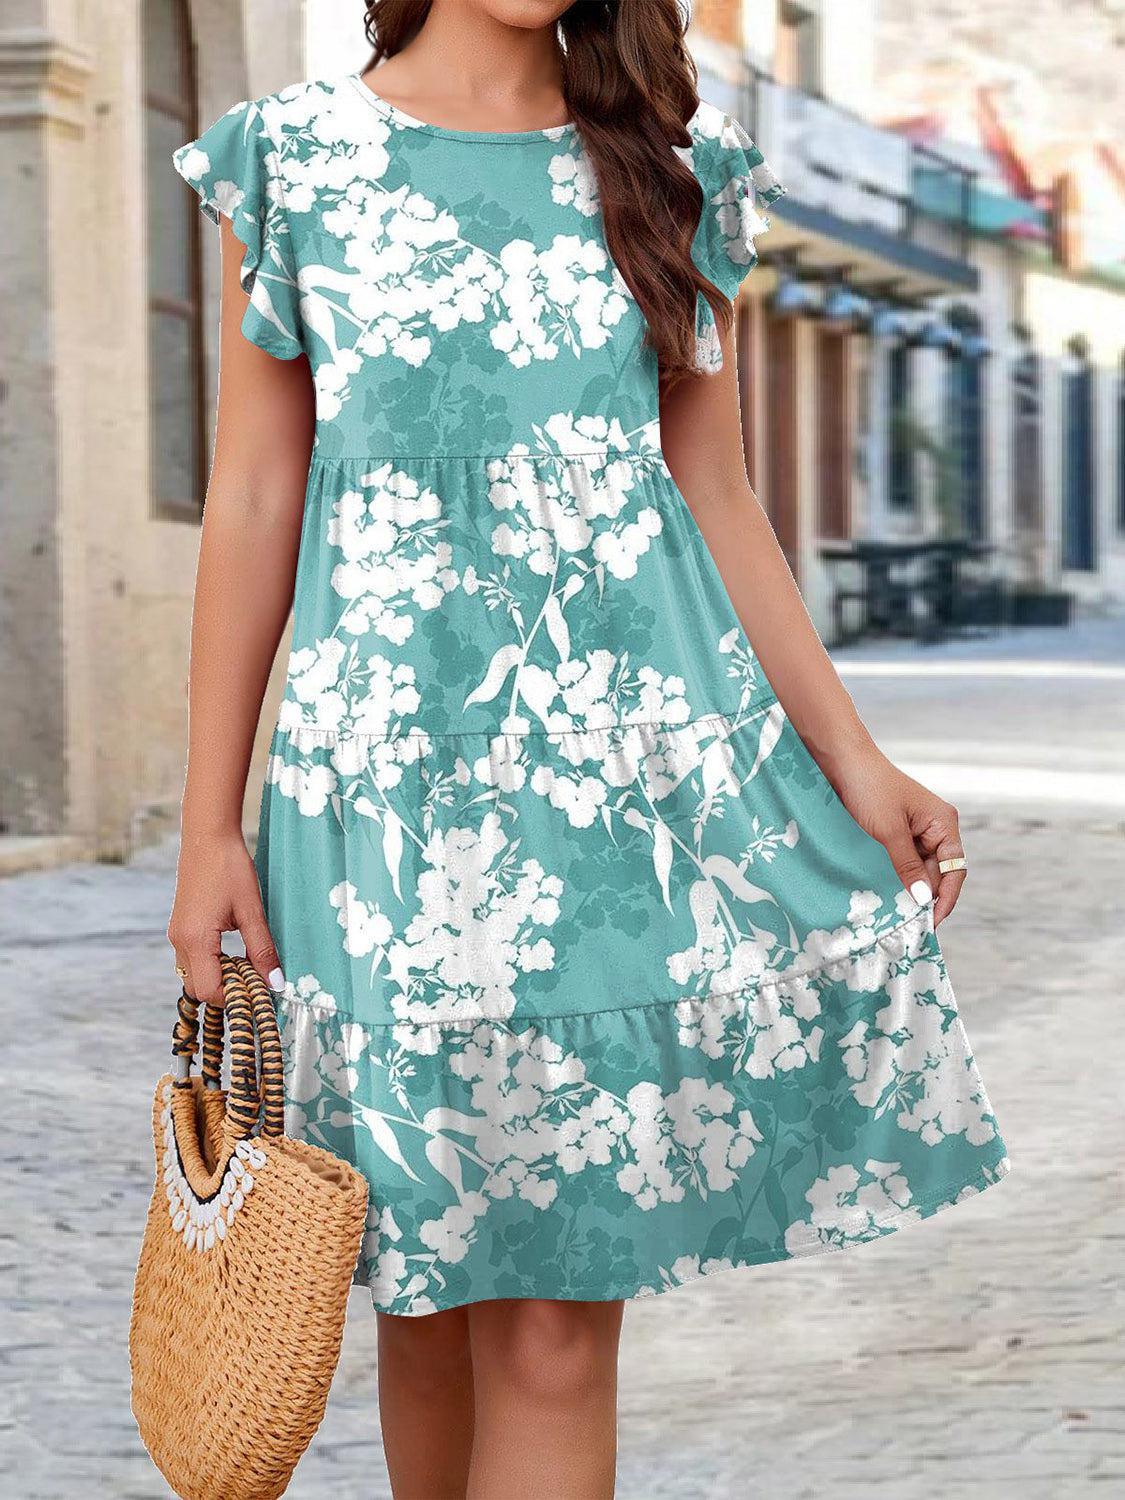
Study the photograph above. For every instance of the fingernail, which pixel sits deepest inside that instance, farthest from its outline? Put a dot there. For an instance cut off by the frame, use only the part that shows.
(919, 890)
(277, 978)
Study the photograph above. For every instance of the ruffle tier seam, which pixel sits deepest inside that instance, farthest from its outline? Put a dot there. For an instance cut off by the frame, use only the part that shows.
(775, 980)
(606, 455)
(754, 711)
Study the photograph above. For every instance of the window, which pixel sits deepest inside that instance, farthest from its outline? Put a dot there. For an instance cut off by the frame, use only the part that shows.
(1079, 535)
(1027, 442)
(174, 322)
(901, 436)
(966, 423)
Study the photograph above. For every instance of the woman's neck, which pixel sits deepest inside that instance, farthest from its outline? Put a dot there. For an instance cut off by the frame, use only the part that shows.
(467, 70)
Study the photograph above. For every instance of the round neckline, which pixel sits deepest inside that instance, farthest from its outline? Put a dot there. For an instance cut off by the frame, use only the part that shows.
(399, 116)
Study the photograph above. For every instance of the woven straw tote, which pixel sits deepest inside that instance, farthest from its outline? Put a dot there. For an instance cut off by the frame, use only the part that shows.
(249, 1250)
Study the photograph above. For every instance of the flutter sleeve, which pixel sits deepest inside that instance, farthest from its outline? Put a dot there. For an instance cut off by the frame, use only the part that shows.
(738, 187)
(235, 168)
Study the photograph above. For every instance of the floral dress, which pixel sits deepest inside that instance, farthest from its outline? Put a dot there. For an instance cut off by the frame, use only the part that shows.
(589, 970)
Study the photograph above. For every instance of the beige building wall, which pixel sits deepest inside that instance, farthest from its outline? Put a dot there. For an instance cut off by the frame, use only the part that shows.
(720, 20)
(1057, 307)
(94, 590)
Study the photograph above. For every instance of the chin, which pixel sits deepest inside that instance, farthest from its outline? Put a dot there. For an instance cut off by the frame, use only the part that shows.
(530, 14)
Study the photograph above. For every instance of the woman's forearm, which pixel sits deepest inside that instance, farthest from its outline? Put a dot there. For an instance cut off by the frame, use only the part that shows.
(243, 593)
(247, 558)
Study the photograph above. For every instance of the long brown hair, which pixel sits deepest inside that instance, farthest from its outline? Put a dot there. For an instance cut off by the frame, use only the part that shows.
(630, 87)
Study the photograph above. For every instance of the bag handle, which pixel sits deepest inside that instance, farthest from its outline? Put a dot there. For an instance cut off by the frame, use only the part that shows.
(185, 1041)
(253, 1033)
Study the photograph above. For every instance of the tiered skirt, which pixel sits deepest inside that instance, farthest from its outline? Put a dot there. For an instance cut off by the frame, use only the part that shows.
(607, 1011)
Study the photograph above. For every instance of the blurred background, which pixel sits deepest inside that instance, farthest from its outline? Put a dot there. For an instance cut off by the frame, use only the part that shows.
(932, 366)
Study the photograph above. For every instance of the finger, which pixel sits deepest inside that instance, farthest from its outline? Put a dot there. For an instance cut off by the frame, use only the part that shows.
(949, 892)
(899, 844)
(936, 829)
(205, 970)
(185, 977)
(952, 882)
(260, 948)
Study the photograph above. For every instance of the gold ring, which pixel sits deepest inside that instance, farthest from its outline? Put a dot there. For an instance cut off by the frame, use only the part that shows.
(947, 866)
(181, 971)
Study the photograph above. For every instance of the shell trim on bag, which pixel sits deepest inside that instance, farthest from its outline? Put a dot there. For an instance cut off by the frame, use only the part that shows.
(202, 1223)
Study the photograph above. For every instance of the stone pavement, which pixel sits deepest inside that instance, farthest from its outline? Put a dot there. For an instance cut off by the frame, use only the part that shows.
(980, 1354)
(1027, 721)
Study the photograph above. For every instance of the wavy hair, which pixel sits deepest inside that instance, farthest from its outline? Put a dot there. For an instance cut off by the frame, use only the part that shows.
(630, 88)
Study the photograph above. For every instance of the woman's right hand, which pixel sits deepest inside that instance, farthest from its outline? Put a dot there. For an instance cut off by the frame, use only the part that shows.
(217, 891)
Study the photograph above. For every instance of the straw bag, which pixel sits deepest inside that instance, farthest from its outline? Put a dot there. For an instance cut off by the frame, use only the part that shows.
(249, 1250)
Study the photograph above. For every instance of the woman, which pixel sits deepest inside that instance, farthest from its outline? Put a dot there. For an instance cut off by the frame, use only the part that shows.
(607, 932)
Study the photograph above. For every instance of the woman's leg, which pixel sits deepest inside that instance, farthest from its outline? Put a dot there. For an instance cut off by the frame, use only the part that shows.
(545, 1379)
(426, 1404)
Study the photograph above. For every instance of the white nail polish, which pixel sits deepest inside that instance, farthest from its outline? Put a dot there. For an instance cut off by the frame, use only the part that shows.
(920, 891)
(277, 978)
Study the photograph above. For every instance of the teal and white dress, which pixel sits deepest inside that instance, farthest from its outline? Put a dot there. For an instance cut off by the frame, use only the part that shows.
(589, 970)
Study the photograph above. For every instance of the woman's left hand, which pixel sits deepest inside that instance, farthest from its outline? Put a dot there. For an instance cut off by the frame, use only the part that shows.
(913, 824)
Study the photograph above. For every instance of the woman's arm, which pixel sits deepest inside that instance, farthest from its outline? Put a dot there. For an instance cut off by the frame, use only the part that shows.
(243, 592)
(702, 441)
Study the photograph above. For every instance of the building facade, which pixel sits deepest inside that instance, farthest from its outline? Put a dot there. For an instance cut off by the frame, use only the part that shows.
(934, 345)
(108, 296)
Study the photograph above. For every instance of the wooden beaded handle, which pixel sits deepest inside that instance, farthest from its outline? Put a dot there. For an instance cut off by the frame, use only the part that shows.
(185, 1041)
(250, 1008)
(269, 1052)
(253, 1032)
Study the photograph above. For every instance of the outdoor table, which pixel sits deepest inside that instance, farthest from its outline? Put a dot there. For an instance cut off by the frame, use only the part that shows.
(908, 587)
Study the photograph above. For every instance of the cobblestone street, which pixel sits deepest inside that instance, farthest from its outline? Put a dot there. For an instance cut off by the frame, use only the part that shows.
(980, 1354)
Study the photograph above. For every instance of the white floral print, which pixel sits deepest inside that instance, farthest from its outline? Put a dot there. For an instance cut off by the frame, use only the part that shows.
(559, 505)
(850, 1204)
(573, 181)
(478, 926)
(908, 1061)
(684, 1140)
(393, 556)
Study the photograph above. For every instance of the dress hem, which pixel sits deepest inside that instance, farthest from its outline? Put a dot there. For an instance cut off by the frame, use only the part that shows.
(889, 1222)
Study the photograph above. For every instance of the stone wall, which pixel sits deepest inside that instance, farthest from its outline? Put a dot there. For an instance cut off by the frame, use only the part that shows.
(95, 592)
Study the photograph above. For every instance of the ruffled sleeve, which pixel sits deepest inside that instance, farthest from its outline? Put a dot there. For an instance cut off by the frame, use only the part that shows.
(234, 167)
(738, 187)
